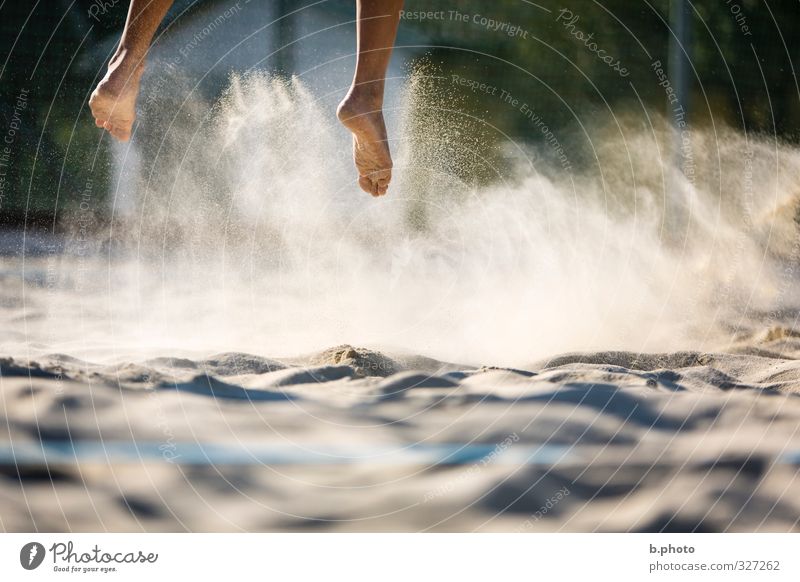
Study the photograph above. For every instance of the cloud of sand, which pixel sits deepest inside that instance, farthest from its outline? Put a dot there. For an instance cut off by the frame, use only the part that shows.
(250, 234)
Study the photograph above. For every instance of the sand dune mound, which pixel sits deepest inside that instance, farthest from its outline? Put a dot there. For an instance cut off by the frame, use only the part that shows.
(365, 362)
(351, 439)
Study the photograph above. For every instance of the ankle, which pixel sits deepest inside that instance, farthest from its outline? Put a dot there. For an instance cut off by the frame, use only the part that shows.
(126, 63)
(358, 102)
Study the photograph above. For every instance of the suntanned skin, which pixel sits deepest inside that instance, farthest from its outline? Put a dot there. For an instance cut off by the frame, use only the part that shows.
(361, 111)
(113, 102)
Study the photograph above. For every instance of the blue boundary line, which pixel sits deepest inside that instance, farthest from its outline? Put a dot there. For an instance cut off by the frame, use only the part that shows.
(71, 452)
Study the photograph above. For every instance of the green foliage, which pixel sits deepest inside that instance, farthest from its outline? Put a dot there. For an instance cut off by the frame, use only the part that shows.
(529, 70)
(744, 57)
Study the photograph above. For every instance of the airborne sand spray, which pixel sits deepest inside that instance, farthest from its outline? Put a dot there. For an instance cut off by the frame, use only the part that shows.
(250, 234)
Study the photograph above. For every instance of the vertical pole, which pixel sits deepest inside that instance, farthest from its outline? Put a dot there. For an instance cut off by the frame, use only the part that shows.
(680, 51)
(677, 211)
(284, 35)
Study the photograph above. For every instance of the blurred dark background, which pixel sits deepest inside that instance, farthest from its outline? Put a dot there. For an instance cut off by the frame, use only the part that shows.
(743, 58)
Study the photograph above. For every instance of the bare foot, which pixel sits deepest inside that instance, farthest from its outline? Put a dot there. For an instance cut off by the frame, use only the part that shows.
(113, 102)
(370, 144)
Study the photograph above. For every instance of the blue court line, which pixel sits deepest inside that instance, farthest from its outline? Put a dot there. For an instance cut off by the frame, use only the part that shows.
(790, 458)
(54, 452)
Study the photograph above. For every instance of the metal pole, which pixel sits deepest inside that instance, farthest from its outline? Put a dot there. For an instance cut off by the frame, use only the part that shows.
(680, 52)
(285, 56)
(677, 213)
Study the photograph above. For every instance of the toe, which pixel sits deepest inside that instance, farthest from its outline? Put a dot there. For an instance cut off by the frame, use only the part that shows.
(382, 180)
(367, 185)
(121, 133)
(118, 132)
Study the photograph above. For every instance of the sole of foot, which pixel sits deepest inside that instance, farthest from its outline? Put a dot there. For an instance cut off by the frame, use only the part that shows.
(370, 144)
(113, 102)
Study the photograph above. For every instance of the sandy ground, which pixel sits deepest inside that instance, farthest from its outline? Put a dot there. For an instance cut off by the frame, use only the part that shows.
(158, 395)
(354, 440)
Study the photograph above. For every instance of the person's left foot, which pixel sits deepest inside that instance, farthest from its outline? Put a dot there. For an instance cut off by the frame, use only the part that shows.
(113, 102)
(370, 143)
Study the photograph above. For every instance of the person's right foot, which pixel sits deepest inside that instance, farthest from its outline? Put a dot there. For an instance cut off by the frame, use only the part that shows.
(113, 102)
(370, 143)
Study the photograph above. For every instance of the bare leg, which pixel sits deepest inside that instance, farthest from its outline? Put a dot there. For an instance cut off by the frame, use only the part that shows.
(361, 111)
(113, 102)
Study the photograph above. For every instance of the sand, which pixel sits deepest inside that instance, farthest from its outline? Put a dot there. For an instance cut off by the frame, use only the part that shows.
(182, 368)
(352, 439)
